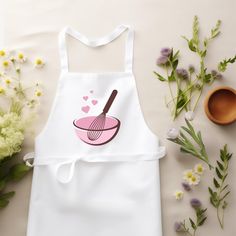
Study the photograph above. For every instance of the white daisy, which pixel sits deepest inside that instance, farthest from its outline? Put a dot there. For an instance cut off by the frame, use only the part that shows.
(194, 180)
(199, 169)
(6, 64)
(4, 53)
(21, 57)
(188, 174)
(38, 63)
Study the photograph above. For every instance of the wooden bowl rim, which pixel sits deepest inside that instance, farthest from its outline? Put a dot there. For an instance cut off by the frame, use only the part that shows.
(206, 105)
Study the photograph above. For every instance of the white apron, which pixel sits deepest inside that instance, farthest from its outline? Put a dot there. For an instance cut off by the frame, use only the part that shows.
(96, 177)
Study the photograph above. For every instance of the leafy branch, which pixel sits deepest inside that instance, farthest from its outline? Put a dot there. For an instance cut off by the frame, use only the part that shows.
(200, 48)
(189, 84)
(190, 142)
(10, 174)
(219, 194)
(200, 218)
(222, 66)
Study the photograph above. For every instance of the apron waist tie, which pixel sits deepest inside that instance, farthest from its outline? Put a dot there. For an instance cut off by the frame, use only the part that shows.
(65, 166)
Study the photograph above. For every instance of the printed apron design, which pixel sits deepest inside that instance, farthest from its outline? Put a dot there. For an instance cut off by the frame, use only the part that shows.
(97, 130)
(96, 162)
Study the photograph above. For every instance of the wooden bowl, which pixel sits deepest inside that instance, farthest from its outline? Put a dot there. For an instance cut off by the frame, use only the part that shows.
(220, 105)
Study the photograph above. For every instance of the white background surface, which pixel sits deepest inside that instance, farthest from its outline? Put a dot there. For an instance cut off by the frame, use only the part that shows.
(32, 26)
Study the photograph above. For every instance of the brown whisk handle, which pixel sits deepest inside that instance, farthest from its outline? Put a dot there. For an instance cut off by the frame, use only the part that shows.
(110, 101)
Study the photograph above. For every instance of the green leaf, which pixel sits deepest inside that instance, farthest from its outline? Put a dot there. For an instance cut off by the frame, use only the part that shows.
(217, 185)
(2, 184)
(224, 177)
(161, 78)
(210, 191)
(18, 171)
(224, 187)
(225, 196)
(216, 30)
(185, 150)
(175, 55)
(202, 221)
(220, 165)
(218, 173)
(229, 155)
(193, 225)
(203, 53)
(213, 202)
(191, 46)
(175, 64)
(224, 205)
(172, 77)
(3, 203)
(7, 195)
(195, 30)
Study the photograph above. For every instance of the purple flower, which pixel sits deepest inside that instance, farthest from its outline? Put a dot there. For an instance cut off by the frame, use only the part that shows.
(162, 60)
(214, 72)
(219, 76)
(179, 227)
(182, 73)
(195, 203)
(166, 52)
(186, 186)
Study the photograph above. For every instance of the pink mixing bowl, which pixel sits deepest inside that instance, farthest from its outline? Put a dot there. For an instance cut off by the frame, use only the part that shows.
(110, 130)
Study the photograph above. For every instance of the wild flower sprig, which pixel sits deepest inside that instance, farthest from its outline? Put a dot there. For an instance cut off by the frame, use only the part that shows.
(220, 192)
(189, 83)
(190, 142)
(16, 113)
(222, 66)
(191, 228)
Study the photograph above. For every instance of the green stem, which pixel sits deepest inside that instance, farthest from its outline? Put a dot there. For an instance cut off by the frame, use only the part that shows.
(198, 98)
(185, 91)
(168, 81)
(219, 218)
(190, 92)
(178, 89)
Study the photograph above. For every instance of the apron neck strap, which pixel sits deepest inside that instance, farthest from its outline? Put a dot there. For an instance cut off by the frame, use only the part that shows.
(97, 43)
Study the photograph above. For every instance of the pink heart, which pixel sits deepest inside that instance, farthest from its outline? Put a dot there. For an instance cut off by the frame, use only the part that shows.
(94, 102)
(91, 91)
(85, 109)
(85, 98)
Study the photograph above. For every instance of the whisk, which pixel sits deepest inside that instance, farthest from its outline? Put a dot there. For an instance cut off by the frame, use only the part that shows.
(96, 127)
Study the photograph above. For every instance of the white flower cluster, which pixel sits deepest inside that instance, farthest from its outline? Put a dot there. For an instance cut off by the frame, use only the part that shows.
(11, 134)
(192, 176)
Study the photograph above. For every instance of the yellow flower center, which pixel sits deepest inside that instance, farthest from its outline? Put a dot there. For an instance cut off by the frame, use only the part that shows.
(39, 62)
(2, 90)
(5, 63)
(199, 169)
(189, 175)
(38, 93)
(20, 56)
(2, 53)
(8, 81)
(193, 178)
